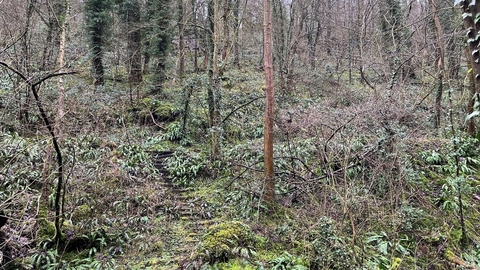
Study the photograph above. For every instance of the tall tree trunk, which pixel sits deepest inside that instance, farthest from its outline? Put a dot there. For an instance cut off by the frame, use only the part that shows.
(471, 129)
(226, 29)
(213, 92)
(130, 12)
(268, 125)
(195, 36)
(24, 62)
(61, 64)
(56, 11)
(181, 39)
(97, 55)
(236, 27)
(280, 41)
(440, 66)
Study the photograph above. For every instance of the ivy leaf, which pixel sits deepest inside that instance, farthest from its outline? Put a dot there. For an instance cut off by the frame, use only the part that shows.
(465, 15)
(469, 31)
(457, 2)
(470, 116)
(472, 4)
(470, 40)
(477, 18)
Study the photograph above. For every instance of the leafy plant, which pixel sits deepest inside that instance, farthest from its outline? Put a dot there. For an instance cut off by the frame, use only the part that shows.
(185, 167)
(286, 261)
(135, 161)
(330, 250)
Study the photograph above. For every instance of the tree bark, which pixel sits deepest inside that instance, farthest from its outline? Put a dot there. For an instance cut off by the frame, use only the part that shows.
(269, 194)
(236, 27)
(61, 64)
(134, 45)
(440, 67)
(470, 11)
(181, 39)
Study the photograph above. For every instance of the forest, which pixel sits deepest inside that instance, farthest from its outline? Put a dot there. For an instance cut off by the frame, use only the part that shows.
(239, 134)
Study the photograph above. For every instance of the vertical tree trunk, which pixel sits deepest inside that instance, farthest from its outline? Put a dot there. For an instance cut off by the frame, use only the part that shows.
(25, 64)
(131, 17)
(181, 39)
(236, 27)
(214, 84)
(226, 29)
(328, 34)
(195, 36)
(440, 66)
(470, 12)
(97, 61)
(471, 89)
(268, 126)
(56, 11)
(61, 64)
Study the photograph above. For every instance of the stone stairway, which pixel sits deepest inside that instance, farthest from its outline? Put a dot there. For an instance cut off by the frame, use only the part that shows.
(186, 209)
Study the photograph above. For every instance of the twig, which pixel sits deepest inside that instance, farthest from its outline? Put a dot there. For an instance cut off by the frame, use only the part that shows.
(239, 107)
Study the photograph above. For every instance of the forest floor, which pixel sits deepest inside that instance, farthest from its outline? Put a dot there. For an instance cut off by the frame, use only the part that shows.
(364, 181)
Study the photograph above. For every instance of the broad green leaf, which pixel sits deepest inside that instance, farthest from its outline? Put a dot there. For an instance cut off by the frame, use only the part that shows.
(470, 116)
(458, 2)
(383, 247)
(465, 15)
(472, 4)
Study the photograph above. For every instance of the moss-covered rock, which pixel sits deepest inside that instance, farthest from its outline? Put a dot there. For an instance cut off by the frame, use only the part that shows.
(81, 213)
(225, 241)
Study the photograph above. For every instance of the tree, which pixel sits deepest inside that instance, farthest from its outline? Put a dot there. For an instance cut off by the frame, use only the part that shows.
(181, 38)
(471, 15)
(56, 11)
(130, 16)
(440, 53)
(268, 124)
(97, 18)
(34, 86)
(395, 40)
(158, 33)
(213, 90)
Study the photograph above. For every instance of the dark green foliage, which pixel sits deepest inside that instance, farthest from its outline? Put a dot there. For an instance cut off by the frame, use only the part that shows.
(158, 34)
(97, 20)
(186, 167)
(130, 14)
(330, 250)
(287, 261)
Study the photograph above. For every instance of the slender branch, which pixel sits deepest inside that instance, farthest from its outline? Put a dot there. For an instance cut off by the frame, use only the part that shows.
(239, 107)
(14, 71)
(13, 43)
(51, 131)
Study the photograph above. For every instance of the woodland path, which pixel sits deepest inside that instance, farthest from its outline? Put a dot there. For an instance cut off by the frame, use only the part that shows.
(185, 209)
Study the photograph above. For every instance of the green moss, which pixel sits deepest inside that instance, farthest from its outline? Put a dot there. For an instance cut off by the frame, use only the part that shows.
(157, 246)
(81, 213)
(455, 235)
(449, 255)
(46, 229)
(227, 240)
